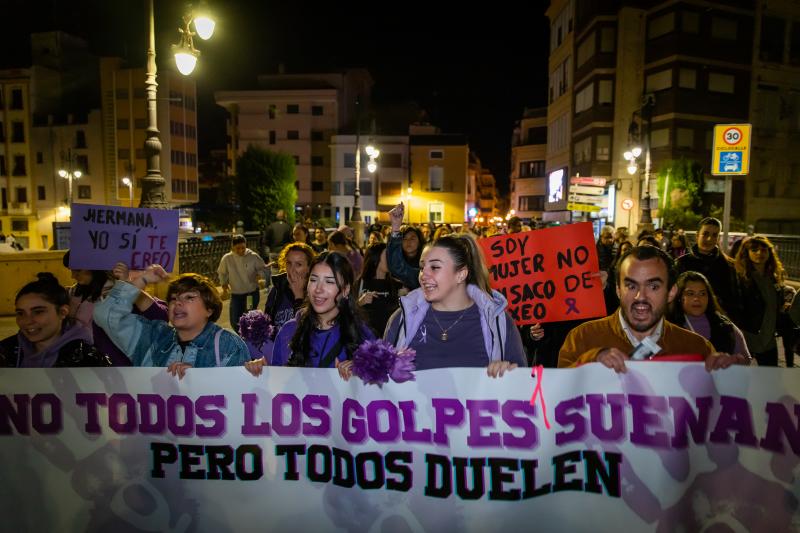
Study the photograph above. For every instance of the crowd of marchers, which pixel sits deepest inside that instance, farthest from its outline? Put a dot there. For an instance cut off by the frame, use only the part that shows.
(418, 287)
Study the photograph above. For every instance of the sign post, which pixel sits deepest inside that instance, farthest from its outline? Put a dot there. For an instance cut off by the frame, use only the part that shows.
(730, 157)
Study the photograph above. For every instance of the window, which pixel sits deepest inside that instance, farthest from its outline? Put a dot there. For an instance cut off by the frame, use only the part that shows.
(772, 38)
(293, 135)
(584, 99)
(690, 22)
(721, 83)
(349, 188)
(391, 188)
(684, 138)
(272, 111)
(317, 185)
(138, 92)
(794, 44)
(336, 187)
(39, 158)
(602, 147)
(292, 109)
(557, 134)
(82, 162)
(531, 203)
(2, 165)
(605, 92)
(141, 124)
(583, 151)
(560, 80)
(436, 154)
(659, 81)
(608, 40)
(659, 138)
(585, 50)
(391, 160)
(17, 132)
(122, 94)
(123, 153)
(16, 99)
(84, 192)
(435, 178)
(2, 101)
(316, 110)
(22, 195)
(687, 78)
(531, 169)
(436, 211)
(41, 193)
(537, 135)
(349, 160)
(19, 166)
(659, 26)
(365, 188)
(317, 161)
(19, 225)
(316, 135)
(80, 139)
(296, 159)
(272, 137)
(2, 129)
(723, 28)
(122, 124)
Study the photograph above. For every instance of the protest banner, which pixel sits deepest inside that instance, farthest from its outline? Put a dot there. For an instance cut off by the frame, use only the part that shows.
(546, 275)
(104, 235)
(665, 447)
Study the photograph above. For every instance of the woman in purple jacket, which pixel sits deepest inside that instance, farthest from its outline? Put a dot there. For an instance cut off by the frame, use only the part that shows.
(328, 328)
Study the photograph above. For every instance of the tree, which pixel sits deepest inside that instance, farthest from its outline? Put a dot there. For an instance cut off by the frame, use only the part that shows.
(266, 183)
(680, 186)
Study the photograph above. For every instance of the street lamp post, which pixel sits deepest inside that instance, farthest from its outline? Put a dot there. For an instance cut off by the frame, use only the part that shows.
(126, 181)
(635, 152)
(153, 182)
(356, 222)
(69, 174)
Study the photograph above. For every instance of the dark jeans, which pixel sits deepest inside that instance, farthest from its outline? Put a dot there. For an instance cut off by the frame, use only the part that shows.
(768, 358)
(239, 307)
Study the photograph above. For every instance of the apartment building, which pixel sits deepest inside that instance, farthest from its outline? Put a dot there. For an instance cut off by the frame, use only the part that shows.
(528, 165)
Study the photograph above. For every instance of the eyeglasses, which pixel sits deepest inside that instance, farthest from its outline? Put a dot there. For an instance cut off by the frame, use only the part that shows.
(185, 298)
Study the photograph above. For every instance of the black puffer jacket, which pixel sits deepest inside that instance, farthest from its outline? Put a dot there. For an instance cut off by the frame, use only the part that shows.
(75, 353)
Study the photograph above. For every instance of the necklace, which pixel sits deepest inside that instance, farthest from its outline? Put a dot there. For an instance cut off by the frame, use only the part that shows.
(443, 336)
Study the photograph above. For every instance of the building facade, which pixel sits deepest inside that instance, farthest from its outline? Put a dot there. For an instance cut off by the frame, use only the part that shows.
(528, 165)
(439, 176)
(298, 114)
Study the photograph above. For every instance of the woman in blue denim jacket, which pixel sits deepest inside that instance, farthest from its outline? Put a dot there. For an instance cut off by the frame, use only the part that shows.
(190, 339)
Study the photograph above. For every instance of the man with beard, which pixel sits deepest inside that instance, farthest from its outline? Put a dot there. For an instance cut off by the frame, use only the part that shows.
(645, 286)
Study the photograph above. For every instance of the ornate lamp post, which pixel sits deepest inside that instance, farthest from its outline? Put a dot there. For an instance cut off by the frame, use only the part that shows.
(635, 152)
(68, 173)
(153, 182)
(356, 222)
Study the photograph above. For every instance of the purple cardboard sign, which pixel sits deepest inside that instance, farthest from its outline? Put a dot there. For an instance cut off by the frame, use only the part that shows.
(104, 235)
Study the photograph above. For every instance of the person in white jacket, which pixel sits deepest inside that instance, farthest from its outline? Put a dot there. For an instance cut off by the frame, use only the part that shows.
(239, 271)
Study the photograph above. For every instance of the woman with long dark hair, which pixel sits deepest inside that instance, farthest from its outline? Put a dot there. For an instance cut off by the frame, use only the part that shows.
(455, 319)
(47, 336)
(761, 278)
(404, 249)
(695, 308)
(377, 289)
(329, 328)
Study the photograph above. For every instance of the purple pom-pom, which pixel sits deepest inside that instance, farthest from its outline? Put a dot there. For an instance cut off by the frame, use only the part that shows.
(255, 327)
(377, 361)
(403, 368)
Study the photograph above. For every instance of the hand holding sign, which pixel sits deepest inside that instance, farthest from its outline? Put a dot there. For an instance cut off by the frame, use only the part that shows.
(547, 275)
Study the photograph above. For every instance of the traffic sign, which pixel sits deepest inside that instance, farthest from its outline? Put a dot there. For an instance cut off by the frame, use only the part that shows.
(731, 154)
(583, 189)
(601, 201)
(581, 180)
(627, 204)
(583, 207)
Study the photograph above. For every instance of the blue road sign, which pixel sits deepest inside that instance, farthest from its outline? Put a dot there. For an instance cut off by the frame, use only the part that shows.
(730, 162)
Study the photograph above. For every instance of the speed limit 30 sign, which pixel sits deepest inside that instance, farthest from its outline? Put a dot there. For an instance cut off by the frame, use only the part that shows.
(731, 153)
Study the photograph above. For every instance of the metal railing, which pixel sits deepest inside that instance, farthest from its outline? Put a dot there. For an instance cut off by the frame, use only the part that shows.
(787, 246)
(201, 255)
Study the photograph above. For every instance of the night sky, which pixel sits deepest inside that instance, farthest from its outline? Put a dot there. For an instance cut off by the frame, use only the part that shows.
(473, 69)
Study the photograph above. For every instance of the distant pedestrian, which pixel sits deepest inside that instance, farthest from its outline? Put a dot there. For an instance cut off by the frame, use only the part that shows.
(278, 235)
(239, 271)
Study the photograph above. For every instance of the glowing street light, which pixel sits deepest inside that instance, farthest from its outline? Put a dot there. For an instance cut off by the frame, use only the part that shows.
(126, 181)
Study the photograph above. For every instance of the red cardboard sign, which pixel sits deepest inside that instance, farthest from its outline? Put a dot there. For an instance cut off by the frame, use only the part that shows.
(546, 275)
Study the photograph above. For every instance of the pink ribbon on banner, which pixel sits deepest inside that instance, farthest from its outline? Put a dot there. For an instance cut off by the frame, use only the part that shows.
(538, 373)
